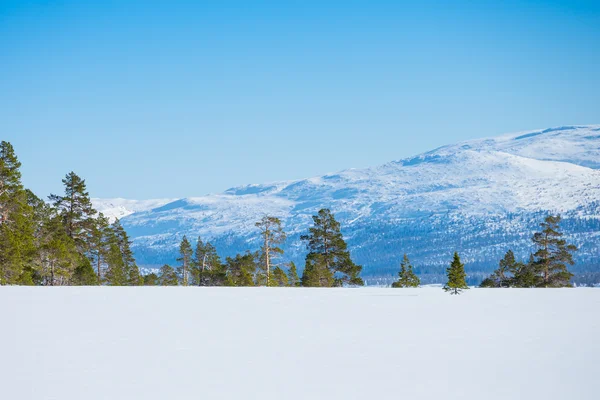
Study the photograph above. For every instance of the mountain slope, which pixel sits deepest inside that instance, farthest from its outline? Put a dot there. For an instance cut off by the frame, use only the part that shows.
(499, 188)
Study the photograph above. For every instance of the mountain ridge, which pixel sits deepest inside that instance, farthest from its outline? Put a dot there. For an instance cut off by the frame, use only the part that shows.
(550, 170)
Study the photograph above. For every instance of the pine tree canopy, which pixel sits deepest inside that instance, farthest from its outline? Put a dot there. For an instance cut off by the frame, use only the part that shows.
(553, 254)
(327, 249)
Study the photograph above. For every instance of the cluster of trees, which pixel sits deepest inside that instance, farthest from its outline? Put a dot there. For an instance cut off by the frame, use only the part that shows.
(547, 266)
(66, 242)
(63, 242)
(328, 262)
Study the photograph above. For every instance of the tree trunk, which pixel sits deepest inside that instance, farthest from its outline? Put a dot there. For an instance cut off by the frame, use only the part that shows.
(99, 277)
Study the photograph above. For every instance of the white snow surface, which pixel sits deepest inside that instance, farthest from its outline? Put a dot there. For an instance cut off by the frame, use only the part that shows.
(118, 208)
(553, 170)
(73, 343)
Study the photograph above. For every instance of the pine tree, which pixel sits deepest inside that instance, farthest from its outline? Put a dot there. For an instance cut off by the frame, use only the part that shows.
(406, 276)
(99, 244)
(10, 180)
(553, 254)
(58, 256)
(505, 275)
(525, 275)
(241, 269)
(116, 273)
(76, 209)
(456, 276)
(272, 236)
(207, 269)
(317, 272)
(17, 248)
(186, 254)
(151, 279)
(328, 249)
(279, 278)
(168, 276)
(293, 279)
(84, 274)
(131, 270)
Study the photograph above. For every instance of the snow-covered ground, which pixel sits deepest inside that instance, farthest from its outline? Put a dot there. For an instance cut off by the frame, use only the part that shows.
(270, 343)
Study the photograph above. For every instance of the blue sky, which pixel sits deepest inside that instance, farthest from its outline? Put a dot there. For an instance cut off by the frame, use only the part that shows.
(172, 99)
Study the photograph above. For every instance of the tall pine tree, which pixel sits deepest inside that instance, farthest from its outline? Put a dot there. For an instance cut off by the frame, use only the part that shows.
(272, 236)
(76, 210)
(186, 253)
(328, 251)
(17, 242)
(207, 269)
(553, 254)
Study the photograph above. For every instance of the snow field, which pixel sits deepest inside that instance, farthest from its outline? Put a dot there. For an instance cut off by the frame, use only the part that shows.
(286, 343)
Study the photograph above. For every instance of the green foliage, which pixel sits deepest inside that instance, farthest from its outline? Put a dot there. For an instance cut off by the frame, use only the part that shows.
(272, 236)
(279, 278)
(241, 269)
(553, 254)
(84, 274)
(456, 276)
(76, 209)
(151, 280)
(327, 249)
(292, 275)
(406, 276)
(17, 248)
(186, 253)
(50, 244)
(168, 276)
(207, 269)
(506, 274)
(316, 272)
(547, 267)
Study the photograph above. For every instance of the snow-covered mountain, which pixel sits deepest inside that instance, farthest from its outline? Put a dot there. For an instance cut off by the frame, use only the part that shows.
(479, 197)
(119, 208)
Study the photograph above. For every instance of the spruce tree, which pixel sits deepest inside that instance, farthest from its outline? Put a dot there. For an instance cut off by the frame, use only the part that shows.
(272, 236)
(327, 249)
(456, 276)
(186, 253)
(293, 279)
(406, 276)
(553, 254)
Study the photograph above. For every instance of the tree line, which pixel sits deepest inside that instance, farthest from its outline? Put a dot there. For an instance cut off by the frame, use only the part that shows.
(65, 241)
(547, 267)
(328, 262)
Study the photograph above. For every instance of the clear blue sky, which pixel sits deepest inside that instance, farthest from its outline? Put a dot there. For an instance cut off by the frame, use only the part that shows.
(171, 99)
